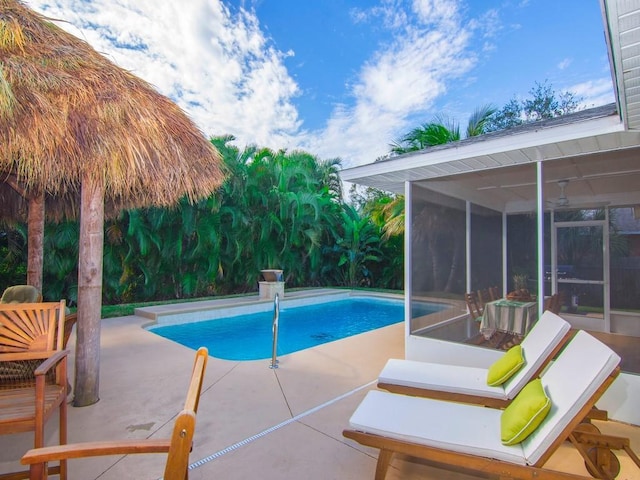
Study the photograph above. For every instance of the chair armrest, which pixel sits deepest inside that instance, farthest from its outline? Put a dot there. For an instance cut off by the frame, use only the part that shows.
(94, 449)
(50, 362)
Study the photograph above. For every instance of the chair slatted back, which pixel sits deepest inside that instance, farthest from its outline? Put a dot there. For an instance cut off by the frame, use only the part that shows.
(487, 295)
(473, 305)
(28, 327)
(494, 293)
(483, 297)
(29, 332)
(553, 303)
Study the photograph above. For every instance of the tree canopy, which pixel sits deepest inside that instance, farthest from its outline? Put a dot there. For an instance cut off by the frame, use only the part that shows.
(543, 104)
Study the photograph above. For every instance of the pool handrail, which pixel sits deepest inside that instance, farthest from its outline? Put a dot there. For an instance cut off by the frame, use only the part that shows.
(276, 318)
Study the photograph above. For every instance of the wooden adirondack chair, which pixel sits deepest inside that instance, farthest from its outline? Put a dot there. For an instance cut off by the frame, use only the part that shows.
(33, 372)
(177, 447)
(473, 305)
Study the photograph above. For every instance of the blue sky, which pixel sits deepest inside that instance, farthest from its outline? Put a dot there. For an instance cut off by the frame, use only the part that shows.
(344, 78)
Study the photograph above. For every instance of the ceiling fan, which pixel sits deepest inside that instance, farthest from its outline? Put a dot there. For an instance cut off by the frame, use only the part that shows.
(563, 200)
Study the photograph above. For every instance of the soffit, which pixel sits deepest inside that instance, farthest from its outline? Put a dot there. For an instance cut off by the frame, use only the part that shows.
(622, 33)
(599, 158)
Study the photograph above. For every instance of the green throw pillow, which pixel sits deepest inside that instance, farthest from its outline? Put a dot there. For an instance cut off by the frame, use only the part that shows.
(504, 368)
(524, 414)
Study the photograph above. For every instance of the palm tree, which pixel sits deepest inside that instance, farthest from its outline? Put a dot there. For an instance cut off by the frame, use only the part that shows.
(276, 210)
(442, 130)
(387, 213)
(479, 119)
(426, 135)
(357, 245)
(439, 229)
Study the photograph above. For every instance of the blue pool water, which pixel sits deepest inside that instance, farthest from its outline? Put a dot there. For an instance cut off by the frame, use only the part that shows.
(249, 337)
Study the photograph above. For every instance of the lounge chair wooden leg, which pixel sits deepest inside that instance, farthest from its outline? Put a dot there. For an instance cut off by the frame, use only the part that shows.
(632, 454)
(590, 462)
(605, 461)
(601, 448)
(384, 458)
(38, 470)
(599, 459)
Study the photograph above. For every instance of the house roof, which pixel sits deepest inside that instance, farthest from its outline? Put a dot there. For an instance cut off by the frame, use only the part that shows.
(622, 33)
(596, 150)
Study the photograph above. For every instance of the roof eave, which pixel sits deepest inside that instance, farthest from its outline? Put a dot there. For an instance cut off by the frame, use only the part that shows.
(532, 145)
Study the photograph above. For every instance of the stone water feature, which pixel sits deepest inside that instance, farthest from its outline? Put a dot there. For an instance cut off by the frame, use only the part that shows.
(272, 282)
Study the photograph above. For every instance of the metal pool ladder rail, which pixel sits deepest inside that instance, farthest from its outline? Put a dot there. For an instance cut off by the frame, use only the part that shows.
(276, 317)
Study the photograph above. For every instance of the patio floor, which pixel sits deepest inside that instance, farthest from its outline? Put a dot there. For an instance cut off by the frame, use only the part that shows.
(253, 421)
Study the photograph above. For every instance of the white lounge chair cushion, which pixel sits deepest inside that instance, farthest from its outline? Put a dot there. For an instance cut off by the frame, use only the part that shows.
(440, 377)
(537, 346)
(542, 339)
(451, 426)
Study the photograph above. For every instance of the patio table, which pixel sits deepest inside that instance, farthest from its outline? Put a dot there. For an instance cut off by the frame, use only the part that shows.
(509, 316)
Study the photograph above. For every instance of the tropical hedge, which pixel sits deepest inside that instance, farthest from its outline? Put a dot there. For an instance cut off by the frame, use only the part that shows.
(276, 209)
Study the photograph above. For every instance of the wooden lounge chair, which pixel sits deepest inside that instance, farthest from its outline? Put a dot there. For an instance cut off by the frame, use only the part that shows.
(177, 447)
(467, 438)
(469, 383)
(33, 372)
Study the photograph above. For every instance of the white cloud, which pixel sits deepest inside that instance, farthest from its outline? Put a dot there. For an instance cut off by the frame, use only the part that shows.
(564, 63)
(403, 78)
(436, 11)
(594, 92)
(217, 65)
(228, 75)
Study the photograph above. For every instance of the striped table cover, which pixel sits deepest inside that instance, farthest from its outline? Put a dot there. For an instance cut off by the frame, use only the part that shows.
(509, 316)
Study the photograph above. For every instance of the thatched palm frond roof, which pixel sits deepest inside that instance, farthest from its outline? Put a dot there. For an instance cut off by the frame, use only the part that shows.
(68, 114)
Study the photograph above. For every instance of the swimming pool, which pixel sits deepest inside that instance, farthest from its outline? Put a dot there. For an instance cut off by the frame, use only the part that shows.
(248, 336)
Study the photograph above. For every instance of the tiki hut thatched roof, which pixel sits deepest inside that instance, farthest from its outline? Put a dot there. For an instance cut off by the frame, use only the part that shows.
(67, 111)
(75, 127)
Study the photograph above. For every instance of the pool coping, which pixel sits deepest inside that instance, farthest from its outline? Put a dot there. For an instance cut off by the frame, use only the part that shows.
(161, 314)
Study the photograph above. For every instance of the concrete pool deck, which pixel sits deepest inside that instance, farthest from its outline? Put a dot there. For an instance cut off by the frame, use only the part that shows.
(253, 421)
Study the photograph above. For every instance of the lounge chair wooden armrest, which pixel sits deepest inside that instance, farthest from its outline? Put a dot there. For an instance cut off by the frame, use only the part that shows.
(95, 449)
(51, 362)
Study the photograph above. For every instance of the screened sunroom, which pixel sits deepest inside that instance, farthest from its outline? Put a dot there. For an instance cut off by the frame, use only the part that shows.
(539, 206)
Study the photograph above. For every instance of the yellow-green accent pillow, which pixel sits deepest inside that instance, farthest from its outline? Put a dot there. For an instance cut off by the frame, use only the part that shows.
(504, 368)
(524, 414)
